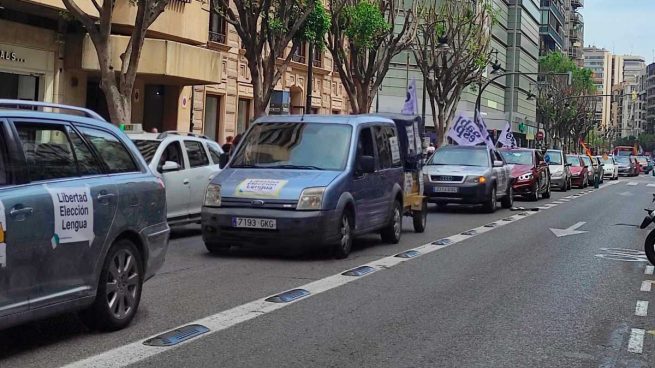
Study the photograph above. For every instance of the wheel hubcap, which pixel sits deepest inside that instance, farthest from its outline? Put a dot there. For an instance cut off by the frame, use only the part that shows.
(345, 233)
(396, 222)
(122, 284)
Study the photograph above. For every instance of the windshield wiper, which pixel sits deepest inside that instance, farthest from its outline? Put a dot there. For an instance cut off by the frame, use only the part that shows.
(246, 166)
(300, 167)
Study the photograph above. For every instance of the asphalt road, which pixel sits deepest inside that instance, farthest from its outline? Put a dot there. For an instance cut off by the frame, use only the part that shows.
(515, 295)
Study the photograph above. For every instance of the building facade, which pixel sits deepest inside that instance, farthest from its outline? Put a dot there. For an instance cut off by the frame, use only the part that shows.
(649, 97)
(600, 62)
(574, 31)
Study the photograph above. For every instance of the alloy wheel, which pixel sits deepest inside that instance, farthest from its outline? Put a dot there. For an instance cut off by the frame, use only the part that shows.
(122, 284)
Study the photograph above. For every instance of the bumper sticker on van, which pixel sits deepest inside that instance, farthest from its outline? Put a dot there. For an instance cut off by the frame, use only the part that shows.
(73, 207)
(3, 245)
(260, 188)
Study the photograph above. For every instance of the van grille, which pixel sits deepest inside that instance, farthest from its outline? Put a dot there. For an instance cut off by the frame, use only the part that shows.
(259, 203)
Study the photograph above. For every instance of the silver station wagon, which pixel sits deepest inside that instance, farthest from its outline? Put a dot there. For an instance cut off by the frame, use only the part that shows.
(82, 217)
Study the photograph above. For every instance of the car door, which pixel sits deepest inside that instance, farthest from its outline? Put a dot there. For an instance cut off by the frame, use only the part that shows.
(388, 168)
(178, 182)
(364, 184)
(200, 172)
(502, 173)
(77, 204)
(542, 170)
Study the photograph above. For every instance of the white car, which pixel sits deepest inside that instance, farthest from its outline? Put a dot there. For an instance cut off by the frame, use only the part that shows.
(187, 163)
(610, 167)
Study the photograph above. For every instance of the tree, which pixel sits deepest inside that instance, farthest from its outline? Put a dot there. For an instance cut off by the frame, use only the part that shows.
(266, 28)
(117, 85)
(313, 32)
(363, 41)
(447, 71)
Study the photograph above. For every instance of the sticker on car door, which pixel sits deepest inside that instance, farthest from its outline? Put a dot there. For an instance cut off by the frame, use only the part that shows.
(3, 230)
(73, 215)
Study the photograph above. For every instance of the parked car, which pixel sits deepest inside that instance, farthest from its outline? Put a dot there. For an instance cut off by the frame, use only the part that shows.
(646, 166)
(560, 170)
(530, 172)
(82, 217)
(626, 165)
(283, 188)
(610, 167)
(579, 171)
(187, 163)
(469, 175)
(593, 170)
(637, 165)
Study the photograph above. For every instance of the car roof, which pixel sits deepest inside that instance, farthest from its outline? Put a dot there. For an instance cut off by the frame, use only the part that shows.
(31, 114)
(352, 120)
(458, 147)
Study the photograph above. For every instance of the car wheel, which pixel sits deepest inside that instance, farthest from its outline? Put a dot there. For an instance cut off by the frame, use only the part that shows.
(534, 196)
(345, 233)
(391, 233)
(546, 194)
(119, 290)
(508, 200)
(420, 218)
(649, 247)
(217, 248)
(490, 205)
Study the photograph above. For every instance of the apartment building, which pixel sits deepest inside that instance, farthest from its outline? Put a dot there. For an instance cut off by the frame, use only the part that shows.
(649, 98)
(574, 31)
(562, 28)
(600, 61)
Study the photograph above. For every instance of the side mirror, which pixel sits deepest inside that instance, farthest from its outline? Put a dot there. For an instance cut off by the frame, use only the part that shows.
(222, 160)
(366, 164)
(567, 164)
(498, 163)
(586, 166)
(170, 166)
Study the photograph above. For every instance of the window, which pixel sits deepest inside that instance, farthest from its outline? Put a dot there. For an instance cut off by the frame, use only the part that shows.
(364, 146)
(217, 25)
(47, 151)
(148, 148)
(300, 54)
(215, 152)
(86, 162)
(111, 150)
(4, 175)
(172, 152)
(243, 115)
(196, 153)
(385, 138)
(317, 58)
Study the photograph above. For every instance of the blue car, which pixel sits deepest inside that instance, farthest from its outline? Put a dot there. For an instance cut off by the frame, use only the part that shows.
(304, 182)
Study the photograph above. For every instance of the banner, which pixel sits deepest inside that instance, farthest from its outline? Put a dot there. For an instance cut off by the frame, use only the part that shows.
(482, 126)
(465, 132)
(73, 207)
(506, 137)
(411, 106)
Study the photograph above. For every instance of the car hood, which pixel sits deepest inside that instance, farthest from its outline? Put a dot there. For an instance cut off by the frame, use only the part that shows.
(556, 168)
(518, 170)
(576, 170)
(455, 170)
(283, 184)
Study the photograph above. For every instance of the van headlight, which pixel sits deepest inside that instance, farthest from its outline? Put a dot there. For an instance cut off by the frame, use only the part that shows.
(213, 195)
(311, 199)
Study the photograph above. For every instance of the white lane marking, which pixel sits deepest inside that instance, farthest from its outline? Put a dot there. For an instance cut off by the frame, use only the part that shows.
(571, 230)
(649, 270)
(136, 351)
(625, 194)
(650, 185)
(633, 183)
(641, 309)
(646, 285)
(636, 342)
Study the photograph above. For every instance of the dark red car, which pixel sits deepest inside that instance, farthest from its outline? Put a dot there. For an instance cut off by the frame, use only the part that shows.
(530, 172)
(579, 171)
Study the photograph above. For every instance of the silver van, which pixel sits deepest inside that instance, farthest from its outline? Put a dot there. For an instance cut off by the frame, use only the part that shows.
(82, 217)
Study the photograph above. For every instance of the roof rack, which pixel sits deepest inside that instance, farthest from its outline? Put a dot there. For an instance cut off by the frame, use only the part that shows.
(18, 103)
(163, 135)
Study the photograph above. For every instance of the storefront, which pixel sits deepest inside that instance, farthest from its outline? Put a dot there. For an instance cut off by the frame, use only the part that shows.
(26, 73)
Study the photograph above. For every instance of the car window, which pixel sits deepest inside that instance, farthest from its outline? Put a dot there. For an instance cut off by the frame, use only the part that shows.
(4, 175)
(573, 160)
(382, 136)
(215, 152)
(148, 148)
(553, 158)
(48, 152)
(197, 155)
(115, 155)
(518, 157)
(498, 157)
(460, 157)
(172, 152)
(86, 162)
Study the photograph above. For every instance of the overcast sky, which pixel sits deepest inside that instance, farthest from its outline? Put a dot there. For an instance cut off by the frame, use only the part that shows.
(621, 26)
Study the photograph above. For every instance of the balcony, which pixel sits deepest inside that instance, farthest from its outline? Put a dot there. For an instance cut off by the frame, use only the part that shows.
(218, 37)
(317, 63)
(299, 58)
(554, 8)
(577, 18)
(574, 35)
(548, 31)
(575, 4)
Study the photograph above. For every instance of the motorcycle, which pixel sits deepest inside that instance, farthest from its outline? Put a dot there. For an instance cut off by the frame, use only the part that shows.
(649, 244)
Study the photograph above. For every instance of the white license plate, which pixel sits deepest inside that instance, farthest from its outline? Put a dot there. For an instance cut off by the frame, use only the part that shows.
(446, 189)
(254, 223)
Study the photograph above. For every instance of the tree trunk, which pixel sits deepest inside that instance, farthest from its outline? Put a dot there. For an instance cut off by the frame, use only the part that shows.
(258, 97)
(310, 79)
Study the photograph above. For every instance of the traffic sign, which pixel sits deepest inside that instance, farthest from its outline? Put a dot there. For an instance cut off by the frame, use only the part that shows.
(540, 135)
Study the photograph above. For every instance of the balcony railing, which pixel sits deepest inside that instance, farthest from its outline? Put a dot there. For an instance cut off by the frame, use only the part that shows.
(548, 30)
(578, 18)
(217, 37)
(299, 58)
(318, 63)
(577, 4)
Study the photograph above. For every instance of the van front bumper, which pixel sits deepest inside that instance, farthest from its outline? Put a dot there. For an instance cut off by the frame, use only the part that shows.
(294, 229)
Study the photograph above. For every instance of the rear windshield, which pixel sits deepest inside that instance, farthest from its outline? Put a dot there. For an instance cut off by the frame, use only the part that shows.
(147, 148)
(573, 160)
(518, 157)
(460, 157)
(642, 160)
(553, 158)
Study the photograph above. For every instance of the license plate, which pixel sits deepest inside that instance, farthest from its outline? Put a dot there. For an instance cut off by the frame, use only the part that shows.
(445, 189)
(254, 223)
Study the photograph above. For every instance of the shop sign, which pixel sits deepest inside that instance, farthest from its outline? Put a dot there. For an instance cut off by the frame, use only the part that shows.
(10, 56)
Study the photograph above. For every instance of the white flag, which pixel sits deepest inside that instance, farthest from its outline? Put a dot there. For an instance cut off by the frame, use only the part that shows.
(482, 127)
(410, 107)
(507, 137)
(465, 132)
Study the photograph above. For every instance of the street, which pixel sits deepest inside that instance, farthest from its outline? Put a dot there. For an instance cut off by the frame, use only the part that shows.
(517, 294)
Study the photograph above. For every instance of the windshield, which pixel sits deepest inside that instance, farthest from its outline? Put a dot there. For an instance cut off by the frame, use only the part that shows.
(607, 161)
(642, 160)
(518, 157)
(573, 160)
(586, 160)
(622, 159)
(295, 146)
(147, 148)
(460, 157)
(553, 158)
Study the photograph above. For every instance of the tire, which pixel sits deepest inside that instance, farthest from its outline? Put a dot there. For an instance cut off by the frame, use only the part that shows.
(508, 200)
(490, 205)
(121, 283)
(649, 247)
(546, 194)
(217, 248)
(343, 247)
(391, 233)
(420, 218)
(534, 196)
(570, 184)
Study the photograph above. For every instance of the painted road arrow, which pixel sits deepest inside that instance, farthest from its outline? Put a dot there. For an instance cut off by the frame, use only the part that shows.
(571, 230)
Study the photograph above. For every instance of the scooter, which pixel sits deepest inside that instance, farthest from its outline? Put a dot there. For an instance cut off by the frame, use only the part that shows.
(649, 244)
